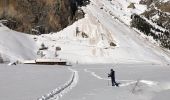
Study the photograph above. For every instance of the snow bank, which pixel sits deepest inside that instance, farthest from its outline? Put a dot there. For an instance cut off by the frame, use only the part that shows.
(15, 45)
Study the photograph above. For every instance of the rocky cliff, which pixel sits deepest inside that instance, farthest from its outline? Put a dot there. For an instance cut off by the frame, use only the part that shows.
(39, 16)
(158, 12)
(155, 21)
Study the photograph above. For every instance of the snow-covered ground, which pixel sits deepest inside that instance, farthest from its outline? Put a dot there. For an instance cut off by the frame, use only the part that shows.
(30, 82)
(141, 67)
(138, 82)
(89, 82)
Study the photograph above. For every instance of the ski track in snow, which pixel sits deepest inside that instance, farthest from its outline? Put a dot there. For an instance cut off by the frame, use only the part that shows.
(129, 82)
(57, 93)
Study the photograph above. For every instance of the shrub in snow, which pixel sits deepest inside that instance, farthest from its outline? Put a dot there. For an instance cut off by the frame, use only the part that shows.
(40, 53)
(43, 47)
(77, 31)
(84, 35)
(112, 44)
(132, 5)
(56, 50)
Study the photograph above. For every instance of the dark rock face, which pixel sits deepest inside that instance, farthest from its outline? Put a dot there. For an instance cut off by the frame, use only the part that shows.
(146, 2)
(159, 16)
(158, 12)
(39, 16)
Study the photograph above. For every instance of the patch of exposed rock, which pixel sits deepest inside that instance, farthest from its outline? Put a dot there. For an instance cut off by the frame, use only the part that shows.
(40, 16)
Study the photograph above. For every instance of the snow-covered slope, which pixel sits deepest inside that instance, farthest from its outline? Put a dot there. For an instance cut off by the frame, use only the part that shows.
(103, 24)
(103, 36)
(121, 9)
(15, 45)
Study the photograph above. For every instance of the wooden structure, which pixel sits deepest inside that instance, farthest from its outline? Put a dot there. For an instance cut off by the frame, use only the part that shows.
(47, 62)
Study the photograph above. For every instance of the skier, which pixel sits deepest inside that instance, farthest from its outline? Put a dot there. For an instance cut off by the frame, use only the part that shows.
(112, 76)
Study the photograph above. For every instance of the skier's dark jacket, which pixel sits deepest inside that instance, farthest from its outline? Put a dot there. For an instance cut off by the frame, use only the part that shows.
(112, 75)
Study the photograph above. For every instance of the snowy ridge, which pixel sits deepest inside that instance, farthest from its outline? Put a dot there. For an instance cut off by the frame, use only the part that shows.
(60, 91)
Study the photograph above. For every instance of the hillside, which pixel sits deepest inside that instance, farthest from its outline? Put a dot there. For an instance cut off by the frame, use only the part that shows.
(89, 40)
(16, 46)
(104, 35)
(39, 16)
(155, 21)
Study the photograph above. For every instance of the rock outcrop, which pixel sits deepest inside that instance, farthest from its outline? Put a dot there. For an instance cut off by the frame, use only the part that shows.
(39, 16)
(155, 21)
(158, 12)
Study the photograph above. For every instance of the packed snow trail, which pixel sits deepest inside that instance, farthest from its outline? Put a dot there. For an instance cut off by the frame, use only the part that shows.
(93, 82)
(60, 91)
(29, 82)
(123, 82)
(84, 87)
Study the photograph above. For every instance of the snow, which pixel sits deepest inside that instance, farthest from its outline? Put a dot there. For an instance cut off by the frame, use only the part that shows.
(60, 91)
(103, 26)
(84, 82)
(16, 46)
(29, 82)
(142, 67)
(138, 82)
(120, 10)
(164, 0)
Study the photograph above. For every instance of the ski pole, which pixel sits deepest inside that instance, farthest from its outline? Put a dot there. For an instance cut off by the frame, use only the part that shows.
(108, 82)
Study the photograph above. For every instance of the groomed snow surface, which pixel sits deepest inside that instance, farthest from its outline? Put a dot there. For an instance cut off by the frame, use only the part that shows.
(84, 82)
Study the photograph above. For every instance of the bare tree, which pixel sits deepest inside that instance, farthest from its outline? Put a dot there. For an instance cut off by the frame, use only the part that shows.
(56, 50)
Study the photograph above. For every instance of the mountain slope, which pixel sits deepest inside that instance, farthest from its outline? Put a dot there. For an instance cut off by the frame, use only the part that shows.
(40, 16)
(103, 36)
(154, 22)
(16, 46)
(103, 25)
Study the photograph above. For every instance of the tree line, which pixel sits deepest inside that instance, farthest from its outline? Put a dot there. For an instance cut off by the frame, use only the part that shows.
(162, 37)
